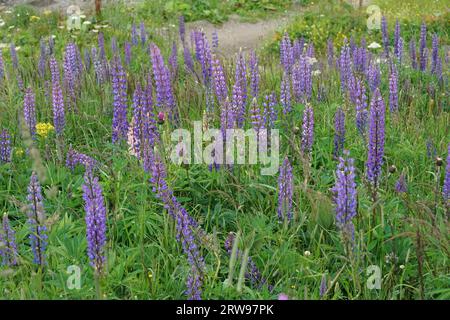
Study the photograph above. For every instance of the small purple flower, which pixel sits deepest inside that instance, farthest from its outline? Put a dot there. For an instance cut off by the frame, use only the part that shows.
(285, 191)
(5, 146)
(376, 138)
(283, 296)
(36, 221)
(400, 185)
(215, 40)
(8, 247)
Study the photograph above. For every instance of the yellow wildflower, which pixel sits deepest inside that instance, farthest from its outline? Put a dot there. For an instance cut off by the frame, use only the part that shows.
(35, 18)
(43, 129)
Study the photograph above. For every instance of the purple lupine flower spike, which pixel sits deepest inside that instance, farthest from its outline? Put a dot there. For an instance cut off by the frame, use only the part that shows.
(361, 107)
(393, 89)
(215, 40)
(185, 226)
(143, 33)
(36, 221)
(29, 111)
(254, 75)
(307, 129)
(173, 61)
(376, 138)
(119, 85)
(127, 49)
(285, 191)
(345, 196)
(412, 53)
(219, 82)
(94, 206)
(59, 119)
(339, 132)
(165, 100)
(42, 58)
(134, 35)
(286, 53)
(8, 247)
(434, 53)
(285, 94)
(182, 29)
(423, 47)
(5, 147)
(74, 158)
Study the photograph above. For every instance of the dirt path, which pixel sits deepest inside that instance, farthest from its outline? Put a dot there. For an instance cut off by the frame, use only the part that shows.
(235, 34)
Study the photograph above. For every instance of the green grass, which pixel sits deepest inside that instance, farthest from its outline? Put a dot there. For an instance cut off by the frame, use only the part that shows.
(144, 259)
